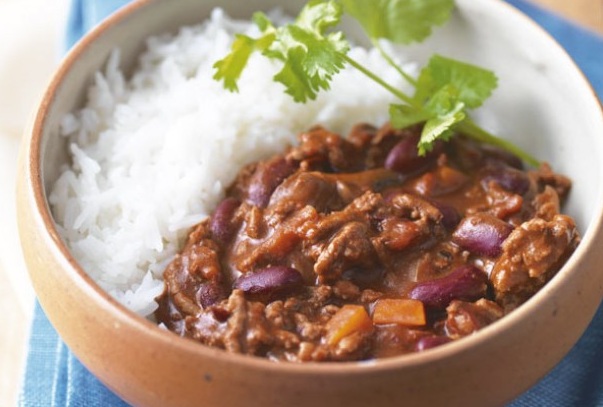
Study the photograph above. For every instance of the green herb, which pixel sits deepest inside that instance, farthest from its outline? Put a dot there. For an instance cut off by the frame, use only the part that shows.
(399, 21)
(311, 54)
(230, 68)
(444, 90)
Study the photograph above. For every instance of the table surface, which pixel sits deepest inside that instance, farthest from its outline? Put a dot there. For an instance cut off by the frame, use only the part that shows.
(42, 40)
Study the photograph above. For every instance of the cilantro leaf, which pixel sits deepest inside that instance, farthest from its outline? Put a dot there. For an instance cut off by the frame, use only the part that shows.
(311, 56)
(441, 114)
(229, 68)
(399, 21)
(312, 60)
(446, 110)
(402, 116)
(473, 83)
(297, 83)
(262, 21)
(319, 15)
(445, 89)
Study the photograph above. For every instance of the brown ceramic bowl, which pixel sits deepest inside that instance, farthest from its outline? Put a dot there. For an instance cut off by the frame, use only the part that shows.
(544, 104)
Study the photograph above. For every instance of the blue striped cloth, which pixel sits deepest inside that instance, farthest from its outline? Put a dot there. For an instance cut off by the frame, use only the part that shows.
(54, 377)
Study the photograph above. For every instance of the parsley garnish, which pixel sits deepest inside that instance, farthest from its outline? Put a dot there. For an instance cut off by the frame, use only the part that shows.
(312, 53)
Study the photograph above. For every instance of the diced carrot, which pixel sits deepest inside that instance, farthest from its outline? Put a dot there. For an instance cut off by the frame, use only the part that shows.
(349, 319)
(401, 311)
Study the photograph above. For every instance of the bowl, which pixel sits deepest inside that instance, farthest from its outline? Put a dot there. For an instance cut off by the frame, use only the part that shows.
(543, 103)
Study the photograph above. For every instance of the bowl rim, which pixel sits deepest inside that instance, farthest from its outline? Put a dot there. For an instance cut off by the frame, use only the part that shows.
(97, 294)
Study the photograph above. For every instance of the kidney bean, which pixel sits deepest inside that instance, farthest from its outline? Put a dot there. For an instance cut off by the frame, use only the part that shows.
(221, 225)
(466, 283)
(209, 293)
(450, 216)
(220, 314)
(509, 178)
(404, 157)
(271, 281)
(266, 178)
(482, 234)
(495, 154)
(429, 342)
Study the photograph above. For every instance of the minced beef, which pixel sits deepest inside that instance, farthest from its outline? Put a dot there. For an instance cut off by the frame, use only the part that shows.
(356, 248)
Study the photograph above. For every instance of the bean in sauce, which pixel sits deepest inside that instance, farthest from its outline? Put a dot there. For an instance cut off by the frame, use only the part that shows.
(309, 246)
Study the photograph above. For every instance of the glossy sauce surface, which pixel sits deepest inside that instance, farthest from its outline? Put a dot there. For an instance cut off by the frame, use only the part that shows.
(358, 248)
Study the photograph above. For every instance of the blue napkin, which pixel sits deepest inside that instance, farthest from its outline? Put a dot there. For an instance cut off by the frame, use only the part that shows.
(85, 14)
(585, 47)
(54, 377)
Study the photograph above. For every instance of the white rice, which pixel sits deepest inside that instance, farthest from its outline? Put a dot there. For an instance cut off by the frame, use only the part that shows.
(151, 156)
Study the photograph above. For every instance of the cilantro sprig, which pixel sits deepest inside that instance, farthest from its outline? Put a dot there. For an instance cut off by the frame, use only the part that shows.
(310, 55)
(312, 52)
